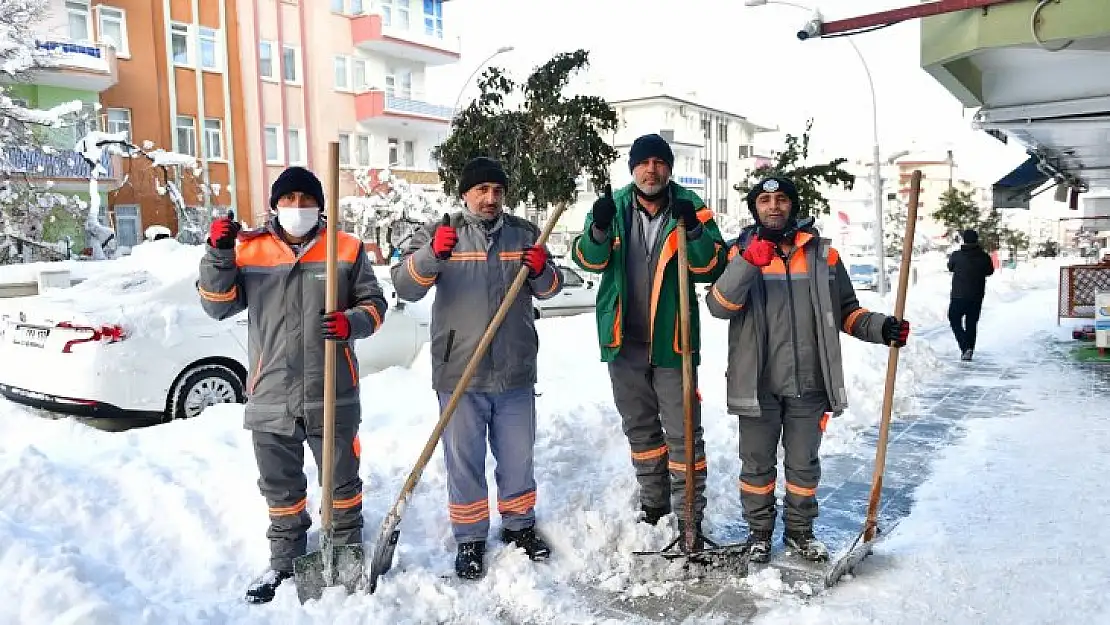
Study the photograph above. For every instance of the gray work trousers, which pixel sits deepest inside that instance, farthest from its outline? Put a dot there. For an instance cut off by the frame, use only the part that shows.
(283, 483)
(649, 400)
(800, 423)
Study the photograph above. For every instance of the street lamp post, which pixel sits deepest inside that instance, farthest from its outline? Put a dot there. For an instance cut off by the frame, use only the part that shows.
(877, 174)
(501, 50)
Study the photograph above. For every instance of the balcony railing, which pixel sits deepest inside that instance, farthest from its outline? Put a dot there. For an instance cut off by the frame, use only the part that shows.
(65, 54)
(411, 106)
(46, 165)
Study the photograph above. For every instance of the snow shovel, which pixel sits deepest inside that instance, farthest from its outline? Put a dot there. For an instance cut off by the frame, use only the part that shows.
(386, 544)
(731, 557)
(861, 546)
(331, 565)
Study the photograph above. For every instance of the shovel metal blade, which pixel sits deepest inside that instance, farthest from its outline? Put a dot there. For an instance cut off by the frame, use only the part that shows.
(847, 561)
(383, 554)
(313, 572)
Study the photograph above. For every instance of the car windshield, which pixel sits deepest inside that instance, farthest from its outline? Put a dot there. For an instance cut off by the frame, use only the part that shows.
(861, 270)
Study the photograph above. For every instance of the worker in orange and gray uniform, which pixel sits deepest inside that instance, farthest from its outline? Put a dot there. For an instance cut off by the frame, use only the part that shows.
(787, 297)
(471, 257)
(277, 273)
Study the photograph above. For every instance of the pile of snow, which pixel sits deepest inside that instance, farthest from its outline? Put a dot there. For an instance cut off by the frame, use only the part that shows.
(165, 524)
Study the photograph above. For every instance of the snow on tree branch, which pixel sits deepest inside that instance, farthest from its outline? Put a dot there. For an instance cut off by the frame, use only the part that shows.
(390, 206)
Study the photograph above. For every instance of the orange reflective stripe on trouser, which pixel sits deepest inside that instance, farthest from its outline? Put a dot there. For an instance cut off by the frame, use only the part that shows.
(294, 509)
(824, 422)
(475, 512)
(649, 454)
(801, 491)
(754, 489)
(356, 446)
(517, 505)
(350, 502)
(673, 465)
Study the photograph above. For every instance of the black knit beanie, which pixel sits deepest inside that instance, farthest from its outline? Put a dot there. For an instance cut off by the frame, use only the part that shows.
(481, 170)
(648, 146)
(297, 179)
(970, 237)
(770, 185)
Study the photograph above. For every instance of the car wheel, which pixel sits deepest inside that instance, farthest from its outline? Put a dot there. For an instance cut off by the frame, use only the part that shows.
(204, 386)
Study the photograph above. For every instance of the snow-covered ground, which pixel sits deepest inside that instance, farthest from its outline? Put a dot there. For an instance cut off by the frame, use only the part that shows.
(165, 524)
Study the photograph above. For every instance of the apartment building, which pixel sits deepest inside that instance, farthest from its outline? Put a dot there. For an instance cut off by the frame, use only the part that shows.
(176, 91)
(713, 149)
(351, 71)
(939, 172)
(79, 71)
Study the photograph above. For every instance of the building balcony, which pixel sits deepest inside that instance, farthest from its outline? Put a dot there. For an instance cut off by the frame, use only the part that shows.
(415, 42)
(691, 180)
(376, 107)
(67, 169)
(88, 67)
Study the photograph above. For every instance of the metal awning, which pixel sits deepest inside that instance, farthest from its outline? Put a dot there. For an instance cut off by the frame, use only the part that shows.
(1015, 189)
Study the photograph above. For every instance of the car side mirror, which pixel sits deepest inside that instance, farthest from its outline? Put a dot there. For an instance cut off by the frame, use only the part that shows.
(589, 284)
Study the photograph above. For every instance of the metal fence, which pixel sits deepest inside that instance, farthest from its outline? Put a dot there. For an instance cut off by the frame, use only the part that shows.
(1078, 286)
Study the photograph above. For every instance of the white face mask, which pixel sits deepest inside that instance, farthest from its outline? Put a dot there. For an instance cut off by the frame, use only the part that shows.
(298, 221)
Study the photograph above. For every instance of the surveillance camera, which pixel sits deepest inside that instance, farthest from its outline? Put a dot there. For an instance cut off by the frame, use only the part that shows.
(812, 28)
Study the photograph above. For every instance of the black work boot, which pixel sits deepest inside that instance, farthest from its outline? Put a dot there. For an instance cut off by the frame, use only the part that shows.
(262, 590)
(470, 560)
(652, 514)
(806, 545)
(759, 546)
(528, 540)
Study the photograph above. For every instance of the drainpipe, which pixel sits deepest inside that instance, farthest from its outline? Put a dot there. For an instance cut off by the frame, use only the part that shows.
(171, 83)
(198, 73)
(229, 130)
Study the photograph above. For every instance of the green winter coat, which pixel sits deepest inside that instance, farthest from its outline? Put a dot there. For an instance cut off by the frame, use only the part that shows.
(707, 258)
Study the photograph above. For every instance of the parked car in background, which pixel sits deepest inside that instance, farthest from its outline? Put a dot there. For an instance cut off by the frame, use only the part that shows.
(578, 296)
(132, 342)
(865, 273)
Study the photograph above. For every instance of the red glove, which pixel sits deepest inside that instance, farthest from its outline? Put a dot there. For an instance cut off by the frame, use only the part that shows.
(335, 326)
(535, 258)
(223, 231)
(760, 252)
(445, 239)
(896, 332)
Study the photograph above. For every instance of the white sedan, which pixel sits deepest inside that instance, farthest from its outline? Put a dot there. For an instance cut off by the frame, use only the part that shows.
(133, 341)
(578, 296)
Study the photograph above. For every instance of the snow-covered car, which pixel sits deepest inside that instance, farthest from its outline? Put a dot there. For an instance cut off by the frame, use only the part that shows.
(133, 341)
(578, 296)
(864, 274)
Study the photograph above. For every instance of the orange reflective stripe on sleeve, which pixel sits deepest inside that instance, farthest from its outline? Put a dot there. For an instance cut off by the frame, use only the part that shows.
(853, 318)
(727, 305)
(469, 513)
(801, 491)
(226, 296)
(517, 505)
(585, 263)
(294, 509)
(425, 281)
(374, 314)
(650, 454)
(554, 285)
(757, 490)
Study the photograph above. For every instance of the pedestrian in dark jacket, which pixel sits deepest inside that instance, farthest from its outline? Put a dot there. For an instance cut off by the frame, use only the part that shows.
(472, 257)
(630, 238)
(787, 297)
(970, 266)
(276, 273)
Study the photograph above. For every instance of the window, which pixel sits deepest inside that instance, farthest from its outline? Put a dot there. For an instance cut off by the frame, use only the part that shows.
(410, 154)
(391, 84)
(357, 7)
(342, 80)
(386, 8)
(112, 28)
(119, 120)
(186, 136)
(706, 167)
(394, 152)
(706, 128)
(271, 134)
(77, 16)
(266, 60)
(345, 148)
(181, 47)
(209, 49)
(291, 64)
(722, 169)
(722, 132)
(362, 150)
(336, 6)
(86, 121)
(433, 18)
(745, 151)
(128, 224)
(358, 74)
(406, 84)
(213, 139)
(570, 277)
(402, 13)
(294, 148)
(722, 205)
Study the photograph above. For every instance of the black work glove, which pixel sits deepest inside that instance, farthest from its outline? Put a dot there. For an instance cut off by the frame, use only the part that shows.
(604, 209)
(896, 332)
(684, 210)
